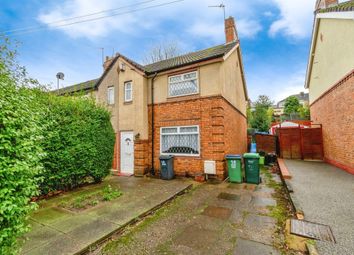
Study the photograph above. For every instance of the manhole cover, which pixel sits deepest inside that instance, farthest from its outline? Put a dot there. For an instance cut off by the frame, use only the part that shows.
(217, 212)
(312, 230)
(229, 196)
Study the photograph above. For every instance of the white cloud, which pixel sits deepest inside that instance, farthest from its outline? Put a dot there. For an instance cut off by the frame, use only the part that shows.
(277, 85)
(295, 18)
(75, 8)
(248, 28)
(193, 16)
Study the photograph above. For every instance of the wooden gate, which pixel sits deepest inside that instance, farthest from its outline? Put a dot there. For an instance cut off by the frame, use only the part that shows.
(300, 143)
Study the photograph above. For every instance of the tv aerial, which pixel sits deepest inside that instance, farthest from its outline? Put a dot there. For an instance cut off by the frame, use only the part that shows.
(220, 6)
(60, 76)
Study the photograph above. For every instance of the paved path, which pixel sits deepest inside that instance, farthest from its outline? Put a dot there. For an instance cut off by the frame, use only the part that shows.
(211, 219)
(326, 195)
(59, 231)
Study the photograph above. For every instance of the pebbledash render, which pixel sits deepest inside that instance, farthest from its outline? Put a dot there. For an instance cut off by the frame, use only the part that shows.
(192, 107)
(330, 80)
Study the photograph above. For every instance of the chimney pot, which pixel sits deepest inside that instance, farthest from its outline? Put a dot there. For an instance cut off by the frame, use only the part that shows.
(230, 30)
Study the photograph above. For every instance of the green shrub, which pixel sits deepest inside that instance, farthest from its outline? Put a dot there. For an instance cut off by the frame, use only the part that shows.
(20, 155)
(47, 143)
(79, 143)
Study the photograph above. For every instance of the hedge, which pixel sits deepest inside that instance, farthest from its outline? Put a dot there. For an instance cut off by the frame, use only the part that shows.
(47, 143)
(79, 143)
(20, 156)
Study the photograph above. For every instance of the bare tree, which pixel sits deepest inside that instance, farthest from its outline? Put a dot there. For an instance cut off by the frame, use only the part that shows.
(162, 51)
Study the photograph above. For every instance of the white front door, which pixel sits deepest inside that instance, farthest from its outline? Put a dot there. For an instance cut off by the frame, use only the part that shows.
(127, 152)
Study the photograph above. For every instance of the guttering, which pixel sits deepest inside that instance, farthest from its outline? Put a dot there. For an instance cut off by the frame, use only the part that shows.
(152, 170)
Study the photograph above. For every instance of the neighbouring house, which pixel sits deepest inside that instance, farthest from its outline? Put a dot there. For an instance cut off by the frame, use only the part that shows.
(192, 106)
(279, 107)
(330, 80)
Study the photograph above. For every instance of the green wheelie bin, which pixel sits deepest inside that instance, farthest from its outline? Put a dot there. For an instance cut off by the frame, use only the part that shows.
(251, 161)
(234, 168)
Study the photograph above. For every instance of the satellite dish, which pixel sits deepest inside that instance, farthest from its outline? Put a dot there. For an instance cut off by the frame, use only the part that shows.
(60, 76)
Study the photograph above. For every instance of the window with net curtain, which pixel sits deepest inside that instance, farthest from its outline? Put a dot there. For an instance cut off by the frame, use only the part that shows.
(180, 140)
(183, 84)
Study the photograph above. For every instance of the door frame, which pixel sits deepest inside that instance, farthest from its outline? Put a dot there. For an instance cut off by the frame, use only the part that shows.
(122, 170)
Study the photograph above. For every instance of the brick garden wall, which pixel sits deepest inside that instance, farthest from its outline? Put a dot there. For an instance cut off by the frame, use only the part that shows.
(223, 130)
(141, 157)
(335, 111)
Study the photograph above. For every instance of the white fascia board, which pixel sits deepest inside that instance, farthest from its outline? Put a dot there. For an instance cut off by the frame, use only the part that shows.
(336, 15)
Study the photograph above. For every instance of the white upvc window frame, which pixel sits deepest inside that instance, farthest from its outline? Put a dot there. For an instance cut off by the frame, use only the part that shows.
(182, 76)
(110, 95)
(126, 99)
(180, 133)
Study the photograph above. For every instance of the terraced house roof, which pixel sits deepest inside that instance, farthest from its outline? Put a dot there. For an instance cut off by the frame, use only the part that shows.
(83, 86)
(191, 58)
(164, 65)
(342, 7)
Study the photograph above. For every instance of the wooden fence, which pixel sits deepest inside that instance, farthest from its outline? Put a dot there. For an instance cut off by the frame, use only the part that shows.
(301, 143)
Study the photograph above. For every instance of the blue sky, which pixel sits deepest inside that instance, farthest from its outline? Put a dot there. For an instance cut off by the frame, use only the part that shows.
(275, 37)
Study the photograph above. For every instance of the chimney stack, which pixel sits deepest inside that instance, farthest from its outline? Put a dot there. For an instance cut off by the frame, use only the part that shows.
(230, 30)
(107, 62)
(323, 4)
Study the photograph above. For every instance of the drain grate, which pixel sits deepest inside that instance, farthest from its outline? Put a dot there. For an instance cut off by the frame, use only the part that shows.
(229, 196)
(312, 230)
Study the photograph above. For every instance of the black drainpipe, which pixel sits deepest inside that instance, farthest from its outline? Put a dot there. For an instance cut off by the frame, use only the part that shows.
(152, 171)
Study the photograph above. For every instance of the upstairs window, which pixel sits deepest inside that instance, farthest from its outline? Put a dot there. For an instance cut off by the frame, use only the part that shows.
(183, 84)
(110, 95)
(128, 91)
(182, 141)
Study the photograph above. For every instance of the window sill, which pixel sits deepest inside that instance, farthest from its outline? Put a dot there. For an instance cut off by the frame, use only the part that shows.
(182, 155)
(128, 102)
(184, 97)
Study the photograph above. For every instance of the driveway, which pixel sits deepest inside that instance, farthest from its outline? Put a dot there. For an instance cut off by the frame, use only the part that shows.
(56, 230)
(216, 219)
(326, 195)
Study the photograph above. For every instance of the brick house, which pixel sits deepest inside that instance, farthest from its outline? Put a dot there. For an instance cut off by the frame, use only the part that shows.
(192, 106)
(330, 80)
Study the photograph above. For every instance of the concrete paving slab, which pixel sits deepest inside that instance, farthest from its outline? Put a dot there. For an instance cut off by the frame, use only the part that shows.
(50, 215)
(41, 236)
(263, 201)
(325, 194)
(60, 231)
(189, 226)
(63, 245)
(247, 247)
(67, 225)
(258, 228)
(92, 232)
(196, 238)
(217, 212)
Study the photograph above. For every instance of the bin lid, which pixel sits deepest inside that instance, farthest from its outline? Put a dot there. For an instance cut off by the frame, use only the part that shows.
(251, 155)
(165, 157)
(233, 156)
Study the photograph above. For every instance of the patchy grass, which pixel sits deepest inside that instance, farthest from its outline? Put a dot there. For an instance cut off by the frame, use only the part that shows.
(91, 199)
(281, 212)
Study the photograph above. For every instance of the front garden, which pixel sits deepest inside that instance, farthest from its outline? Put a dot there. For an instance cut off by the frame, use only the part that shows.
(47, 144)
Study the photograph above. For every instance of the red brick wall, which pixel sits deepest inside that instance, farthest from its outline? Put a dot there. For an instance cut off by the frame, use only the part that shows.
(335, 111)
(141, 157)
(223, 130)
